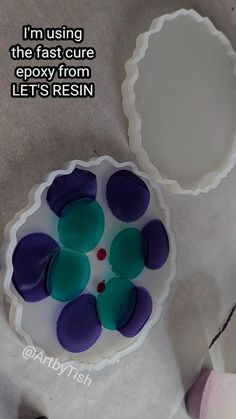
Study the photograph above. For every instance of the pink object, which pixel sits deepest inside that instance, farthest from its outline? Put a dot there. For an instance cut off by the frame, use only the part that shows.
(213, 396)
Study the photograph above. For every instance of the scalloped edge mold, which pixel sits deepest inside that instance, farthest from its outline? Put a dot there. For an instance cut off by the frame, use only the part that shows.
(210, 180)
(10, 240)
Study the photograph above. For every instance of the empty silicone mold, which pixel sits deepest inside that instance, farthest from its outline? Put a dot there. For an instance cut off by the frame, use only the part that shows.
(180, 98)
(88, 264)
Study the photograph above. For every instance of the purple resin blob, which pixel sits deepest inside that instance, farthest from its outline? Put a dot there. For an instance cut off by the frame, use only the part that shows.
(140, 315)
(127, 196)
(156, 244)
(78, 327)
(31, 259)
(66, 189)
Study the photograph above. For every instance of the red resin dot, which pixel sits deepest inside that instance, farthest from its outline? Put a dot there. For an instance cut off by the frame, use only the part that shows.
(101, 286)
(101, 254)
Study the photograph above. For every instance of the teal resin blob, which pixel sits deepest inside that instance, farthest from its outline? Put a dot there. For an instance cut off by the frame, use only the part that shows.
(127, 253)
(68, 275)
(82, 225)
(116, 303)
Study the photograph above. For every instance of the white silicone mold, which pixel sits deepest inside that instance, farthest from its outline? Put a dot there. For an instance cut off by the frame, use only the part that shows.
(180, 99)
(33, 322)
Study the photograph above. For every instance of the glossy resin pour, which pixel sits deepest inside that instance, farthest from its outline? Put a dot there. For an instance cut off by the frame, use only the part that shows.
(91, 261)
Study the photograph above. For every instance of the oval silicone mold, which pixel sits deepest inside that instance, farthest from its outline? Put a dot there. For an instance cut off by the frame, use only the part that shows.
(179, 96)
(34, 322)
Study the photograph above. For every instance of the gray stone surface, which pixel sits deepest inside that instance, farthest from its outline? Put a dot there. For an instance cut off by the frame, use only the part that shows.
(38, 136)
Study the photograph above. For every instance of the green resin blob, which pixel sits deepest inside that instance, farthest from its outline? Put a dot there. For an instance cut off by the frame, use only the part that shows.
(82, 225)
(127, 253)
(116, 303)
(68, 274)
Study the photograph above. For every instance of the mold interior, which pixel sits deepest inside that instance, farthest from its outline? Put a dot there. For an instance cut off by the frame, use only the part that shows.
(186, 96)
